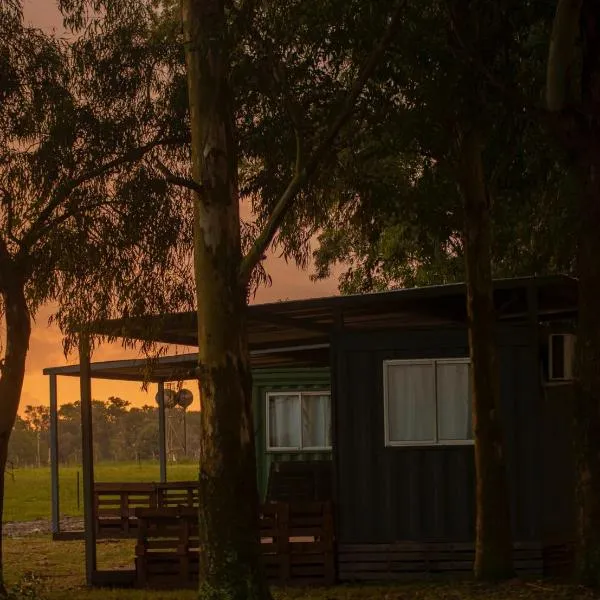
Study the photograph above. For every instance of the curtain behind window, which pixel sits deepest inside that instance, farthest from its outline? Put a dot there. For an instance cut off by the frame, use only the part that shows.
(316, 421)
(284, 419)
(454, 414)
(411, 402)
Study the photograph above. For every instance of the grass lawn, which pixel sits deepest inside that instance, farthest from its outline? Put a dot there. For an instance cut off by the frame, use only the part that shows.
(28, 496)
(51, 570)
(56, 568)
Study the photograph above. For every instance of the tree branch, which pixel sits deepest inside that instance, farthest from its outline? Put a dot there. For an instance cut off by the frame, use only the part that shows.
(67, 187)
(302, 176)
(178, 180)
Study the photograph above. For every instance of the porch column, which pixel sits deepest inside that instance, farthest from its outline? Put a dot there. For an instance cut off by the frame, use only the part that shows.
(54, 456)
(162, 445)
(87, 458)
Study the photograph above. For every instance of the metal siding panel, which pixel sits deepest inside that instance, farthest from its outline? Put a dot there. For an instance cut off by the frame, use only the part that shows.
(529, 445)
(520, 408)
(393, 494)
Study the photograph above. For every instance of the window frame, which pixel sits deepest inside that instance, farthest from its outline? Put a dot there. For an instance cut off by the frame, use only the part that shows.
(386, 403)
(299, 394)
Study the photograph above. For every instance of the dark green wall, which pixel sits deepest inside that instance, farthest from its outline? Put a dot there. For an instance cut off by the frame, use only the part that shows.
(281, 380)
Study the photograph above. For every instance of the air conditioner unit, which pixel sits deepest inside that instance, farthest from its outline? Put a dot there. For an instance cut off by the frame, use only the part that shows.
(561, 356)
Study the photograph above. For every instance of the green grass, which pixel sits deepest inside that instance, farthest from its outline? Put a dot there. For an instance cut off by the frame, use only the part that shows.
(27, 497)
(59, 572)
(56, 569)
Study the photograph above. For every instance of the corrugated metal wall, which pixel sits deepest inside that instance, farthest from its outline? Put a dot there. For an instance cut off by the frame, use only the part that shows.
(427, 493)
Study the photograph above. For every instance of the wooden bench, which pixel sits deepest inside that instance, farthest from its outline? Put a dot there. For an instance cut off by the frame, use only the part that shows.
(296, 542)
(115, 503)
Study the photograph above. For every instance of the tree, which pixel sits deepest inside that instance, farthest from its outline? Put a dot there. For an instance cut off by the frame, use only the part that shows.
(423, 179)
(245, 66)
(38, 419)
(80, 158)
(573, 101)
(230, 561)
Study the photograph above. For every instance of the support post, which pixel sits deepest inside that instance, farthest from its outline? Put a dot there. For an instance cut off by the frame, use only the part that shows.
(534, 454)
(54, 456)
(337, 385)
(87, 456)
(162, 445)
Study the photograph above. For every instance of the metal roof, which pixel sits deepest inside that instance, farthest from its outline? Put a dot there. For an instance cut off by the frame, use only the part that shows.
(297, 333)
(301, 322)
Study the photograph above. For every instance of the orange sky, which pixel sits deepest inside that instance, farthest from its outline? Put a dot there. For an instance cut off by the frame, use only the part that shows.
(46, 347)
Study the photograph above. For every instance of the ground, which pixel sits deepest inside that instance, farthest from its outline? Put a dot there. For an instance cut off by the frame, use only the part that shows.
(43, 569)
(55, 570)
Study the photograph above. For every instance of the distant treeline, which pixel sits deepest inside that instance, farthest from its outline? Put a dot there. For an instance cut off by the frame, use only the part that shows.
(121, 433)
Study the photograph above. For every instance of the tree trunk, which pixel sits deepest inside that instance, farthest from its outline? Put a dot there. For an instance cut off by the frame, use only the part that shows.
(493, 550)
(230, 561)
(18, 330)
(579, 133)
(587, 383)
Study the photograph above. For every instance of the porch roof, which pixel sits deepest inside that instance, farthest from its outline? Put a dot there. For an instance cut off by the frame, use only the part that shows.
(182, 366)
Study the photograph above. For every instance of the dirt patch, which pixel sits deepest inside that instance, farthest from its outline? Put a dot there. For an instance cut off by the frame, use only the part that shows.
(24, 528)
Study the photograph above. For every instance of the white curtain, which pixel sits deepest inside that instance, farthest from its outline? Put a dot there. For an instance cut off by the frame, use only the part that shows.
(454, 401)
(411, 402)
(316, 421)
(284, 421)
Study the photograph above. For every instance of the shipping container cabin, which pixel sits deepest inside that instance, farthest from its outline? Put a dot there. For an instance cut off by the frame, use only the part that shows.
(373, 392)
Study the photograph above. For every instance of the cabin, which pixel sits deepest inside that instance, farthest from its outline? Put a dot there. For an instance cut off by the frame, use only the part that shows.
(364, 402)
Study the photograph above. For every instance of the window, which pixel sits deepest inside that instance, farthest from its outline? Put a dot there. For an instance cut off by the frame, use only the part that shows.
(427, 402)
(298, 421)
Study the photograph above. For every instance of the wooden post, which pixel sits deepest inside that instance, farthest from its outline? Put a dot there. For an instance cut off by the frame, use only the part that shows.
(162, 447)
(54, 456)
(87, 458)
(283, 546)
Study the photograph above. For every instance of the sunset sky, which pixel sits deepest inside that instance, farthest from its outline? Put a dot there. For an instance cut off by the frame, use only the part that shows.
(46, 341)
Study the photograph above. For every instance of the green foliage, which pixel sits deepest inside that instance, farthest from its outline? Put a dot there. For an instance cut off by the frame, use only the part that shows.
(394, 215)
(86, 215)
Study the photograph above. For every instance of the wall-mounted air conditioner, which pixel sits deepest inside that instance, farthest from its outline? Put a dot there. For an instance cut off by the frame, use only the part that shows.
(561, 356)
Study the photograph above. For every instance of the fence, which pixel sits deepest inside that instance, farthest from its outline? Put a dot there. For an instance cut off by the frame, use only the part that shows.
(297, 544)
(116, 503)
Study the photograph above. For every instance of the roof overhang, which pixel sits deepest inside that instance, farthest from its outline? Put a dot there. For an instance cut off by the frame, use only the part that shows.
(312, 321)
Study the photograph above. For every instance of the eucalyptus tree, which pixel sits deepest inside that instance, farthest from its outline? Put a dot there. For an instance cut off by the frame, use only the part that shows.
(439, 160)
(573, 103)
(246, 69)
(86, 216)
